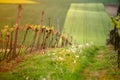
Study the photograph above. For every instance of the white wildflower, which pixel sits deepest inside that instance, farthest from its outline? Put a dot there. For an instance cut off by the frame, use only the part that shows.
(77, 56)
(60, 58)
(73, 46)
(53, 53)
(80, 46)
(73, 50)
(68, 50)
(43, 78)
(74, 61)
(48, 54)
(27, 78)
(87, 44)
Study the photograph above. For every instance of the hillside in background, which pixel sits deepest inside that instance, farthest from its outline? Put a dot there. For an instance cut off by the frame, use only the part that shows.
(87, 23)
(87, 18)
(54, 9)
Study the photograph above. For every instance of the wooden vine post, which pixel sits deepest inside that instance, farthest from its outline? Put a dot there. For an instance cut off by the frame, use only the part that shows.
(16, 31)
(40, 32)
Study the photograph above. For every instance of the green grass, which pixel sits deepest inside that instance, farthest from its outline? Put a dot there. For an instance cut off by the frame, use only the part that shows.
(57, 64)
(87, 23)
(72, 63)
(103, 66)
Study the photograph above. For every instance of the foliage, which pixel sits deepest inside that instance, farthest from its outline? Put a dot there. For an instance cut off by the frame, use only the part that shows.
(114, 36)
(116, 21)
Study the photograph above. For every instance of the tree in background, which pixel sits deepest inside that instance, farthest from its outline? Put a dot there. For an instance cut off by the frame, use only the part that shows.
(118, 11)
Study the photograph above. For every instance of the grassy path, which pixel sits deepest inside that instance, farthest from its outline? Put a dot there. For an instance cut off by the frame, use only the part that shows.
(103, 66)
(87, 23)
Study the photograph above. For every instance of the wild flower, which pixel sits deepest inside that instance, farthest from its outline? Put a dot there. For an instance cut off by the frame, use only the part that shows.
(77, 56)
(68, 50)
(53, 53)
(27, 78)
(74, 61)
(44, 79)
(80, 46)
(60, 58)
(73, 50)
(48, 54)
(87, 44)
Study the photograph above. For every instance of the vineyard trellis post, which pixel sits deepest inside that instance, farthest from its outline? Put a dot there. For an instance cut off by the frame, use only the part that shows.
(34, 39)
(16, 31)
(40, 32)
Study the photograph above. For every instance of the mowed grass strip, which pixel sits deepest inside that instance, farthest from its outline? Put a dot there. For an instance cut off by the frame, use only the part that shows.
(87, 23)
